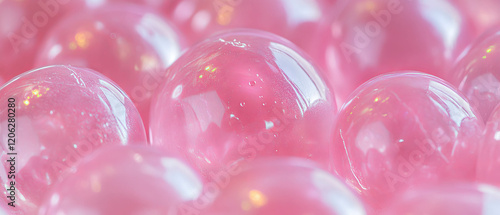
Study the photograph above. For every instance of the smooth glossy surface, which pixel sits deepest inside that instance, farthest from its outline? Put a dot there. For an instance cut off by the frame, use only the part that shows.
(284, 186)
(129, 44)
(292, 19)
(242, 95)
(62, 114)
(488, 162)
(477, 74)
(124, 180)
(372, 37)
(398, 130)
(447, 199)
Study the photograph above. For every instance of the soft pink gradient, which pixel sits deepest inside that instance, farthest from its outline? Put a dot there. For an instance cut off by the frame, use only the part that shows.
(484, 13)
(63, 113)
(242, 95)
(398, 130)
(295, 20)
(447, 199)
(489, 153)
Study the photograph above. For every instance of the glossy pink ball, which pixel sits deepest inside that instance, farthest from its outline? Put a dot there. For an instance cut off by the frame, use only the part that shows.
(284, 186)
(129, 44)
(292, 19)
(477, 74)
(52, 117)
(447, 199)
(489, 151)
(372, 37)
(397, 130)
(124, 180)
(241, 95)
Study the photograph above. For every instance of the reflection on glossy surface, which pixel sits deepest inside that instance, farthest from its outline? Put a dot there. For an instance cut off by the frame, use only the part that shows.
(134, 55)
(62, 114)
(241, 95)
(397, 130)
(372, 37)
(447, 199)
(293, 19)
(477, 74)
(488, 163)
(124, 180)
(285, 186)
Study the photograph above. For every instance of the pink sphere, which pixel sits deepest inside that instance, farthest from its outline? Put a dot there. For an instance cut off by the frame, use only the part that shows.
(283, 186)
(129, 44)
(55, 116)
(488, 163)
(447, 199)
(124, 180)
(292, 19)
(397, 130)
(241, 95)
(477, 74)
(371, 37)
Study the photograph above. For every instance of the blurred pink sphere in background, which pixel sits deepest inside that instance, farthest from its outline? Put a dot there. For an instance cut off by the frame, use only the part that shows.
(134, 55)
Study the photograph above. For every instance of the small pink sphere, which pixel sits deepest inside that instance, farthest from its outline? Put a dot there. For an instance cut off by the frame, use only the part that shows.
(124, 180)
(52, 117)
(372, 37)
(283, 186)
(129, 44)
(241, 95)
(292, 19)
(397, 130)
(488, 162)
(447, 199)
(477, 74)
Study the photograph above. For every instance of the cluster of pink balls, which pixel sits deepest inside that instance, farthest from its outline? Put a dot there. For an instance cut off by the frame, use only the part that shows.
(250, 107)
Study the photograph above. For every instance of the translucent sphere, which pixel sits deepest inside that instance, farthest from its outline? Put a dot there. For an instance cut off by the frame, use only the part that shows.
(241, 95)
(372, 37)
(131, 45)
(55, 116)
(477, 74)
(124, 180)
(283, 186)
(402, 129)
